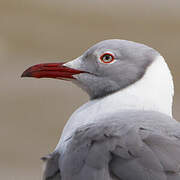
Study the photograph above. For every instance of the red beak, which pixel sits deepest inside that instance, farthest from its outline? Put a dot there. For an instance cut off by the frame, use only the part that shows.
(51, 70)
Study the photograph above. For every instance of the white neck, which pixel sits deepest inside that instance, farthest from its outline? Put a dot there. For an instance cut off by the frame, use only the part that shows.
(153, 92)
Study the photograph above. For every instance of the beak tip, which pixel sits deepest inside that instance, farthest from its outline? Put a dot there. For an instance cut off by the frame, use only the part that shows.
(23, 75)
(26, 74)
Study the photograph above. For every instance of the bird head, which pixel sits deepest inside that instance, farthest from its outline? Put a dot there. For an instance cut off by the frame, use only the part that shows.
(110, 66)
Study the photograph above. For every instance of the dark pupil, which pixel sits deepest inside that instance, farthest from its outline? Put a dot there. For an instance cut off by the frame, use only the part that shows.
(107, 57)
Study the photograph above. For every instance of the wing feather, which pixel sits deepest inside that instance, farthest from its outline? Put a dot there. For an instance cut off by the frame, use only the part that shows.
(51, 167)
(115, 151)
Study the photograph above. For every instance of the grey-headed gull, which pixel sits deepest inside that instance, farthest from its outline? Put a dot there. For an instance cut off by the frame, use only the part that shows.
(126, 130)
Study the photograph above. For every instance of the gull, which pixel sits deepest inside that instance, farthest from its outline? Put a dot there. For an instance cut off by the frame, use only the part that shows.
(126, 130)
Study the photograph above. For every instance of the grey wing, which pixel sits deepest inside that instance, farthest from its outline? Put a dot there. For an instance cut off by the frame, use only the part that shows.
(51, 167)
(120, 152)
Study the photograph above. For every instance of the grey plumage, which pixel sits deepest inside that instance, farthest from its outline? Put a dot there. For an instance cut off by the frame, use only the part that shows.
(51, 167)
(122, 133)
(144, 148)
(132, 60)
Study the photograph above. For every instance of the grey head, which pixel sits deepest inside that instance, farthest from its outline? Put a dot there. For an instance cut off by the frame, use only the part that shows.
(112, 65)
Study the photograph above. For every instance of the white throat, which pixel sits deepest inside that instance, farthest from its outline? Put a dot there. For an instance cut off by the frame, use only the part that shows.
(153, 92)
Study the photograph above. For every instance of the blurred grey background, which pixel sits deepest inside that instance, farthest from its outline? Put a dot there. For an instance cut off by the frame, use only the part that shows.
(33, 112)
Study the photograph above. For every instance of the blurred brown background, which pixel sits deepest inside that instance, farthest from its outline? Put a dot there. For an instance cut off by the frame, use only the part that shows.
(33, 112)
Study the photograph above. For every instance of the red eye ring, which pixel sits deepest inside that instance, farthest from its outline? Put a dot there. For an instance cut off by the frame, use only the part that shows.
(107, 58)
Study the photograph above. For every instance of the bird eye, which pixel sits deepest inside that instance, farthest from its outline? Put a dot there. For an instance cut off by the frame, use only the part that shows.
(107, 58)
